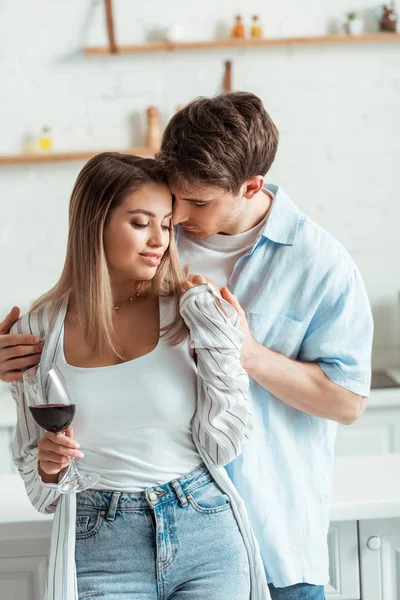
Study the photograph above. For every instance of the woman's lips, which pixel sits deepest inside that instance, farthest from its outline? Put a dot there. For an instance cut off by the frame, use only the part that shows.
(151, 259)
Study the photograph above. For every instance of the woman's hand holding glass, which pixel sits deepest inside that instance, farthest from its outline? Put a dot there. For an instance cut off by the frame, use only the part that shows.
(52, 407)
(54, 453)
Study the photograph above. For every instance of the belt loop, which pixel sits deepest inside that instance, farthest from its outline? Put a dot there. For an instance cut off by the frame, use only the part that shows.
(113, 506)
(179, 492)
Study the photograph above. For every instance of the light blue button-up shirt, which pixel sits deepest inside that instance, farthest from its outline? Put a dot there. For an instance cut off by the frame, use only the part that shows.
(303, 297)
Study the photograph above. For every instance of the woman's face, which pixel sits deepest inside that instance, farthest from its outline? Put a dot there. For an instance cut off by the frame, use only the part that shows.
(138, 232)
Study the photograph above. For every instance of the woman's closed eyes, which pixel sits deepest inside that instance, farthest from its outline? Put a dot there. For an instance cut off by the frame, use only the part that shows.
(143, 225)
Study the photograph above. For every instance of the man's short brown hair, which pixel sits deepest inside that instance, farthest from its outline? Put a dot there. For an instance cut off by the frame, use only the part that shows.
(219, 142)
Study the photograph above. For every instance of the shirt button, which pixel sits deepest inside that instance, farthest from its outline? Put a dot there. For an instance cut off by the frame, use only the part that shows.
(153, 496)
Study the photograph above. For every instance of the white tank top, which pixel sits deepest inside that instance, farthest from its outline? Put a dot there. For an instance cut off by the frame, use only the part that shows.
(133, 420)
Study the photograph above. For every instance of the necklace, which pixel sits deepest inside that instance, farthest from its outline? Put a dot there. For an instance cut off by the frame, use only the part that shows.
(129, 300)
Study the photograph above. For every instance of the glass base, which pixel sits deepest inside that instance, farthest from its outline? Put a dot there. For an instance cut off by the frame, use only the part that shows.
(80, 483)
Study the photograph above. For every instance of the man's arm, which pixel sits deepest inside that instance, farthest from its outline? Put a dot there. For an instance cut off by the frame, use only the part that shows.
(301, 384)
(18, 352)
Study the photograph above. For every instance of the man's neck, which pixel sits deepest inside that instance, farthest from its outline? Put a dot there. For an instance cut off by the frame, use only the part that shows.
(256, 210)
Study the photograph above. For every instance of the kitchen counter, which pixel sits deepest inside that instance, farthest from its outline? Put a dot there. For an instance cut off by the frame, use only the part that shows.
(365, 487)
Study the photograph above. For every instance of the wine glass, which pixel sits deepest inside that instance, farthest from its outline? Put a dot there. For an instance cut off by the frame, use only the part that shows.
(52, 407)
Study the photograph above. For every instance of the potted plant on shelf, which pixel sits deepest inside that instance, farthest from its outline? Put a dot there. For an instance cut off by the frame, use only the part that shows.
(354, 25)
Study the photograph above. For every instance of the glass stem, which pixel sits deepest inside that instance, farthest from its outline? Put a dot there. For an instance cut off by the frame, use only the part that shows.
(72, 464)
(74, 468)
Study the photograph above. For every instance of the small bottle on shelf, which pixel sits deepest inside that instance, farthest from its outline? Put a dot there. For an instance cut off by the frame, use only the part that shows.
(238, 28)
(45, 142)
(30, 144)
(153, 133)
(256, 29)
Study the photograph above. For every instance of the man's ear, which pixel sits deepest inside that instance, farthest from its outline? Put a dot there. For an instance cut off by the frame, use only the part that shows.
(253, 186)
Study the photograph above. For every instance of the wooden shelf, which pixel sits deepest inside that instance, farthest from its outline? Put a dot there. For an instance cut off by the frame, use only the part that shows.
(245, 43)
(20, 159)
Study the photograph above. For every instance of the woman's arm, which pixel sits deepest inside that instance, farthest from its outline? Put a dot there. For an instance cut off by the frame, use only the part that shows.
(43, 496)
(223, 419)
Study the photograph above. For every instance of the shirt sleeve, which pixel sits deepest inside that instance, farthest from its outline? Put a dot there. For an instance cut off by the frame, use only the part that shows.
(339, 337)
(43, 496)
(223, 420)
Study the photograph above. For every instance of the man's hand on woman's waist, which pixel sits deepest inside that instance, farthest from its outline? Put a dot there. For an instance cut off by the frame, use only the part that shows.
(18, 352)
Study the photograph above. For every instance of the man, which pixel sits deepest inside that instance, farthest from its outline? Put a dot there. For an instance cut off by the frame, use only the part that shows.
(304, 313)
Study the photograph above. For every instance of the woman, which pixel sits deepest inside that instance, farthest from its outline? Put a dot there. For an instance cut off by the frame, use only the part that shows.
(162, 522)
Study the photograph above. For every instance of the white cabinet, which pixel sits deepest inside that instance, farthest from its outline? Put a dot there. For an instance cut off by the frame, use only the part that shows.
(364, 560)
(24, 549)
(376, 432)
(343, 562)
(380, 559)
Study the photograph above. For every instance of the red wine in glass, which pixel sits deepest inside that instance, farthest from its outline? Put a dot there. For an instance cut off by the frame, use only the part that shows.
(53, 417)
(50, 402)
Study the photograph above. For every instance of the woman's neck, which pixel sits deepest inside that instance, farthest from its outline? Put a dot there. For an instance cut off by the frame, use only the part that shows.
(123, 290)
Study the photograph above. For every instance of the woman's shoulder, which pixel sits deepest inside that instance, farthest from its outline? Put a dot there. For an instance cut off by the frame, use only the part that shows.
(34, 322)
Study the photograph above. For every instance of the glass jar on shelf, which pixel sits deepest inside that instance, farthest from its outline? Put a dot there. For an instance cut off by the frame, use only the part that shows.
(238, 28)
(256, 29)
(45, 143)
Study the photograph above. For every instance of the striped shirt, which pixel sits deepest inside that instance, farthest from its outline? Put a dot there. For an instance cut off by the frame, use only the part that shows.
(220, 427)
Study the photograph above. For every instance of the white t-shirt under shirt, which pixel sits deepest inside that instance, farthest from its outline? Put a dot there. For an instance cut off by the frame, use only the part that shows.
(148, 404)
(216, 256)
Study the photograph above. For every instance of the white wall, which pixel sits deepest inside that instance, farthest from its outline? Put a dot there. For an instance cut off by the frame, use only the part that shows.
(337, 107)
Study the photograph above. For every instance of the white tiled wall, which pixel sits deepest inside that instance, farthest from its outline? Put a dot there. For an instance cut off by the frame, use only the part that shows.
(337, 107)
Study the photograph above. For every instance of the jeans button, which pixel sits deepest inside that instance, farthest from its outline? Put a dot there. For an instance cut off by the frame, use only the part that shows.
(153, 496)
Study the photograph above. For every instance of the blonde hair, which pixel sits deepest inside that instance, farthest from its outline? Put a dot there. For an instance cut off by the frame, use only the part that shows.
(101, 186)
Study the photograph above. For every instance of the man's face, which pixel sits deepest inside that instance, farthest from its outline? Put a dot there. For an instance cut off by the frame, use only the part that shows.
(205, 211)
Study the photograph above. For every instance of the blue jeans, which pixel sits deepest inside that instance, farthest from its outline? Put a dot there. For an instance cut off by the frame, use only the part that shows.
(175, 541)
(300, 591)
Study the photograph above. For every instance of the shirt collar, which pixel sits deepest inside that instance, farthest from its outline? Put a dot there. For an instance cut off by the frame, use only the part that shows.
(283, 220)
